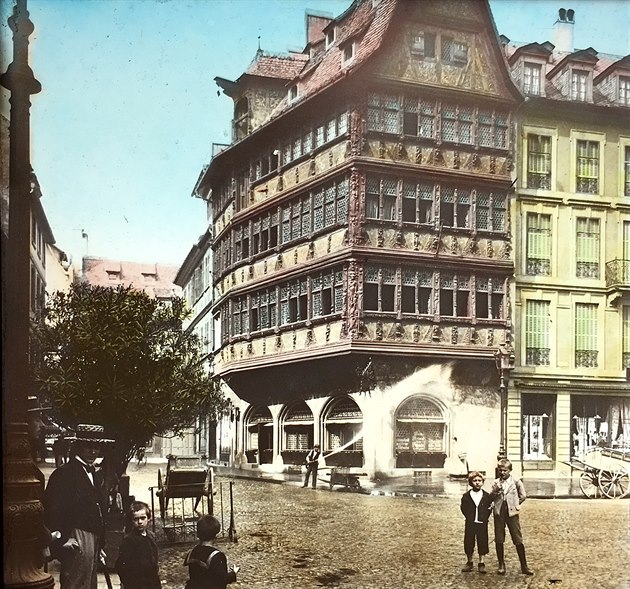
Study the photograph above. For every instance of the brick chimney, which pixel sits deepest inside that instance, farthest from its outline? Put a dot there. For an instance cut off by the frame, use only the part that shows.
(563, 31)
(315, 25)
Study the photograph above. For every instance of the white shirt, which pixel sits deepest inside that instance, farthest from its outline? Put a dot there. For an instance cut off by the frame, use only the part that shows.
(476, 497)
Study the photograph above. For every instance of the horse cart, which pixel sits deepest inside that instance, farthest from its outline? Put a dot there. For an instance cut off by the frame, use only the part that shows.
(187, 487)
(605, 472)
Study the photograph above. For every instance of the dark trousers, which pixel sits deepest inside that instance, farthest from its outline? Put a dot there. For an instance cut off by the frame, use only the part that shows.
(311, 469)
(513, 524)
(478, 532)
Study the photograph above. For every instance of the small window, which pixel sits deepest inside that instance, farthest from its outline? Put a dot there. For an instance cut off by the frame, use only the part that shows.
(624, 91)
(531, 79)
(330, 37)
(423, 45)
(348, 52)
(293, 92)
(579, 85)
(454, 52)
(113, 274)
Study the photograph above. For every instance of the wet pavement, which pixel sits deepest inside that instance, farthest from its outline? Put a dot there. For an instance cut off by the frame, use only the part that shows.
(403, 534)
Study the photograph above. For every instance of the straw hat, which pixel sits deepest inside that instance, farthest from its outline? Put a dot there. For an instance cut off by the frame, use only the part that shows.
(85, 432)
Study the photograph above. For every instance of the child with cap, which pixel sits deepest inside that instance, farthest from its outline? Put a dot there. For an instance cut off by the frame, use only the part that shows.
(207, 565)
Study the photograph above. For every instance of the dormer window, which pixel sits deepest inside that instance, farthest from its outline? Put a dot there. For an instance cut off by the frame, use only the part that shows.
(348, 52)
(330, 37)
(293, 93)
(454, 52)
(113, 274)
(531, 78)
(624, 91)
(580, 85)
(423, 45)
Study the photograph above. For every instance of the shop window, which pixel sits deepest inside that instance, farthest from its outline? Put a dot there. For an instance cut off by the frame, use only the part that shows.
(599, 421)
(538, 416)
(343, 427)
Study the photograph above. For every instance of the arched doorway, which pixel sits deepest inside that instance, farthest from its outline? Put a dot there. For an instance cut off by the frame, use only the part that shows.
(420, 434)
(343, 438)
(259, 442)
(297, 433)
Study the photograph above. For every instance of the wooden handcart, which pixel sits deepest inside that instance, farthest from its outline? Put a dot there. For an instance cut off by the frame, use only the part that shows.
(605, 472)
(189, 480)
(341, 475)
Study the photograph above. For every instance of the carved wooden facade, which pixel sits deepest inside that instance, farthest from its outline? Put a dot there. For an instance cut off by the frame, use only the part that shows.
(369, 216)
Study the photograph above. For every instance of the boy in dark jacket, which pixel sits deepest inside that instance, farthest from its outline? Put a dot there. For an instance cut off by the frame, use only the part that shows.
(207, 565)
(476, 505)
(137, 564)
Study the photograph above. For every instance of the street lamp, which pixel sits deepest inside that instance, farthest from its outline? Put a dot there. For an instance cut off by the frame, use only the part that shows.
(504, 360)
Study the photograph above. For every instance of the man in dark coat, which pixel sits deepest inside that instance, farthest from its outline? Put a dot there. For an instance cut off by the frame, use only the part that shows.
(312, 463)
(75, 503)
(137, 564)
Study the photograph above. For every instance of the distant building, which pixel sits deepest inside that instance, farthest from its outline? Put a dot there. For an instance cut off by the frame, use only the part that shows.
(571, 229)
(154, 279)
(361, 240)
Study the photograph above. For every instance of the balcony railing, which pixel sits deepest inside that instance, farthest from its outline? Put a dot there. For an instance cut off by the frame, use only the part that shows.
(618, 274)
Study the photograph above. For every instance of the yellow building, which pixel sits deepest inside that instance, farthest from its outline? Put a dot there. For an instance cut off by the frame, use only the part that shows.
(569, 390)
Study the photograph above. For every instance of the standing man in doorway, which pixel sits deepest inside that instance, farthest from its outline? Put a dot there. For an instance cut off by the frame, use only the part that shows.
(312, 463)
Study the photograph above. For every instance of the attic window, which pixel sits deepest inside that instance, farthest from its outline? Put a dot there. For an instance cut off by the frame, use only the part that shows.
(293, 93)
(113, 274)
(624, 91)
(149, 277)
(423, 45)
(330, 37)
(532, 78)
(348, 52)
(579, 85)
(454, 52)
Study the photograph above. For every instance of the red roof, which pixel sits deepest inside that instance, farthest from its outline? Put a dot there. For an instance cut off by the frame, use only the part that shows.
(284, 67)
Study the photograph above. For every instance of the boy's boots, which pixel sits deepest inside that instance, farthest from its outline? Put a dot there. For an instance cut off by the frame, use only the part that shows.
(520, 549)
(501, 559)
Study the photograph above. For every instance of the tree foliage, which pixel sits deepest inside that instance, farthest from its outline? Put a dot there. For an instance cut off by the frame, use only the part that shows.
(117, 357)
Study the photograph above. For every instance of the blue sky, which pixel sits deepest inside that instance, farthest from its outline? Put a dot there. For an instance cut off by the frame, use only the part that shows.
(129, 108)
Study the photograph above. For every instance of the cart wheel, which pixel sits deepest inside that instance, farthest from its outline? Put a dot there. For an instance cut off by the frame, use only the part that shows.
(590, 485)
(615, 484)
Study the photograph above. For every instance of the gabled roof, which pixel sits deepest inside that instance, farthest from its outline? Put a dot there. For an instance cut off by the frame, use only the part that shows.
(622, 64)
(282, 67)
(583, 56)
(543, 50)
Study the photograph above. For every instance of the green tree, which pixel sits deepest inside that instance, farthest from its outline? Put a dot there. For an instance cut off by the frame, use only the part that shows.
(117, 357)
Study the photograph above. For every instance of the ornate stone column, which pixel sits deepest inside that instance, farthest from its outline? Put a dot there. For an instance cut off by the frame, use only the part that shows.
(25, 536)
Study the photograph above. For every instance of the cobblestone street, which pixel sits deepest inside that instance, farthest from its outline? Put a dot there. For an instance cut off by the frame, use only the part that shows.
(294, 538)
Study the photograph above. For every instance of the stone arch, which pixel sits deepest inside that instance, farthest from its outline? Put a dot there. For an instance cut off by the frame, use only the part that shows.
(420, 433)
(342, 440)
(259, 435)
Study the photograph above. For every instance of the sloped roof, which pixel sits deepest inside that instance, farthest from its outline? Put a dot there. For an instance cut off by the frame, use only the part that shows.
(284, 67)
(157, 280)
